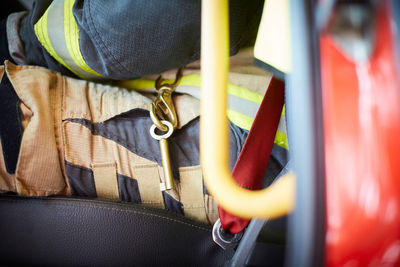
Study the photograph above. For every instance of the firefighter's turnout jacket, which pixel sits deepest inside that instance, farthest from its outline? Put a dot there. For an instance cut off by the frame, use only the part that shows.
(65, 136)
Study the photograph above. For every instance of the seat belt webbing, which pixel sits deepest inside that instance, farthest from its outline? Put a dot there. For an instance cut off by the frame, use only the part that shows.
(252, 163)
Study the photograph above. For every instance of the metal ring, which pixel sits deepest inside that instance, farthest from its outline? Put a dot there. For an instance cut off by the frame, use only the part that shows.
(225, 239)
(163, 136)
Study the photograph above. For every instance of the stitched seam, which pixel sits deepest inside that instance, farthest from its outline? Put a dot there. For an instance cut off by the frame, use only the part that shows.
(61, 129)
(120, 210)
(146, 166)
(151, 202)
(199, 206)
(39, 189)
(82, 115)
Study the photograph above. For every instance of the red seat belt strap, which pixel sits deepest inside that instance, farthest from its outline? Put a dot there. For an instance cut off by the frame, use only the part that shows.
(252, 163)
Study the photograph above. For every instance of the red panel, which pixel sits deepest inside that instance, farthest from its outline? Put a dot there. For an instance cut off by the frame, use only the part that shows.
(361, 106)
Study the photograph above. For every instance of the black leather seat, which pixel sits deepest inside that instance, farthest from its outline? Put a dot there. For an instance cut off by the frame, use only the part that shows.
(58, 231)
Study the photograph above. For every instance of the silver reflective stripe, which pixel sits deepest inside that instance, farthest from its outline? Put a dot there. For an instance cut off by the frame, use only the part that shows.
(243, 106)
(190, 90)
(55, 29)
(241, 111)
(282, 125)
(235, 103)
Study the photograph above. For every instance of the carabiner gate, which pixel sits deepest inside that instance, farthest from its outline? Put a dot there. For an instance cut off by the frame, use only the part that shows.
(163, 107)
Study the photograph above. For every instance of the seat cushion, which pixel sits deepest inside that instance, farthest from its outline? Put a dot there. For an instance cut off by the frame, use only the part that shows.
(56, 231)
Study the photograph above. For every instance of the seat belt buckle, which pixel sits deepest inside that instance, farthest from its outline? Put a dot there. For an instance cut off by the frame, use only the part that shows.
(225, 239)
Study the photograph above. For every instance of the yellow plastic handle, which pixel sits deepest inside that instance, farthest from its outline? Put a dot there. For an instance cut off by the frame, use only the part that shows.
(272, 202)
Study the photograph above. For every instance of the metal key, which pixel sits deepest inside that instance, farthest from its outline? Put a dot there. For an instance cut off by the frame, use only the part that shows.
(164, 150)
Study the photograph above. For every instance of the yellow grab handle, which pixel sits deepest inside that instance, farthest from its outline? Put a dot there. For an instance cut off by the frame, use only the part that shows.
(274, 201)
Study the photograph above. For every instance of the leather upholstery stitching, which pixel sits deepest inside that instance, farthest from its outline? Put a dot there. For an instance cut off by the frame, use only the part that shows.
(115, 209)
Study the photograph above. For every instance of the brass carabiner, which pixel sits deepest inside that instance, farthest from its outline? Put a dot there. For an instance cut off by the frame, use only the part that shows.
(163, 107)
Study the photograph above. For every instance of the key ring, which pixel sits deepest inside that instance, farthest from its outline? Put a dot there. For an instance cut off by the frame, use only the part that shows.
(162, 136)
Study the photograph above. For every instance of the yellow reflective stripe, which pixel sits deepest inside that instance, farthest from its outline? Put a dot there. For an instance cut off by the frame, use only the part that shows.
(71, 32)
(139, 84)
(61, 38)
(193, 80)
(244, 93)
(281, 135)
(240, 119)
(40, 29)
(245, 122)
(281, 140)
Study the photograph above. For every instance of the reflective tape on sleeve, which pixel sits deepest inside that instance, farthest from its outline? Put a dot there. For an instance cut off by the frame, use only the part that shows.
(281, 134)
(58, 32)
